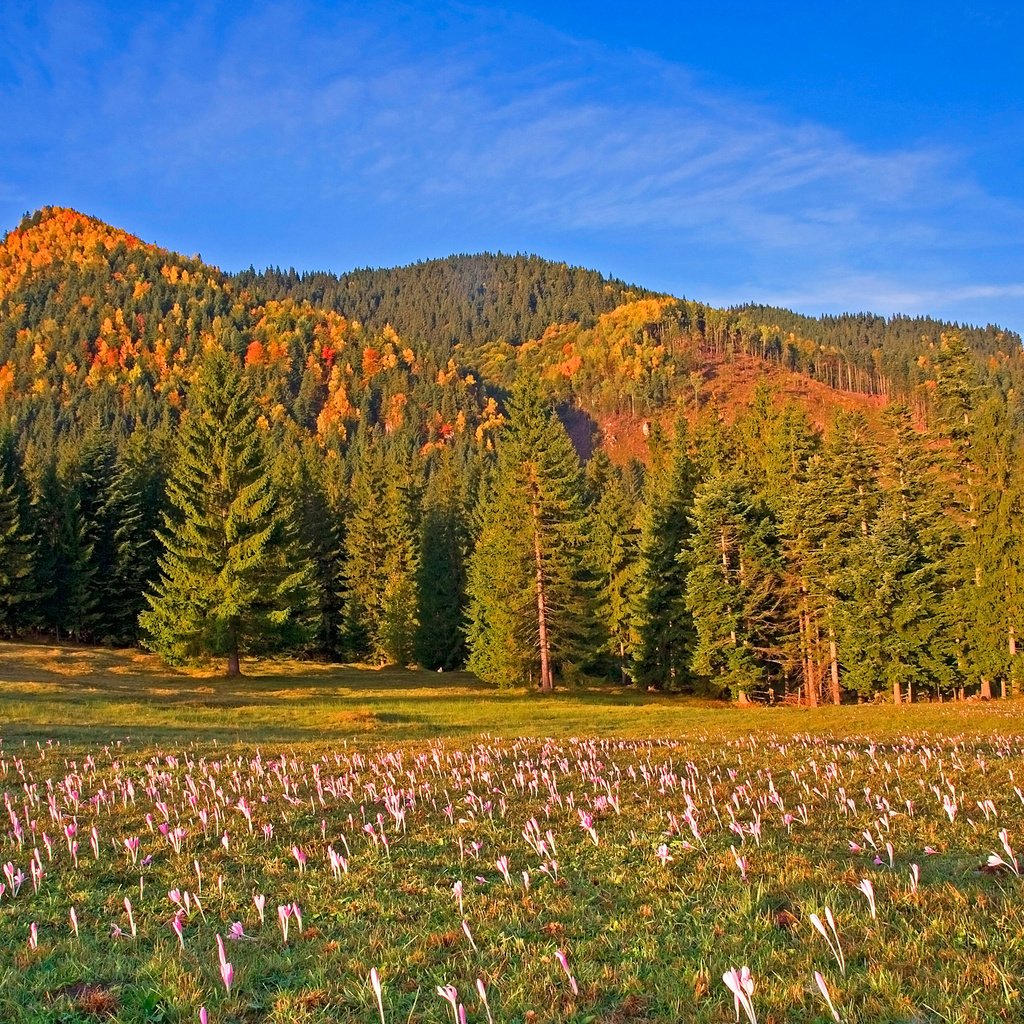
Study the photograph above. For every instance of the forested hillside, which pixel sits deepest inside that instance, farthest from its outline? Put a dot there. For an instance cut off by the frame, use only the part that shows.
(394, 432)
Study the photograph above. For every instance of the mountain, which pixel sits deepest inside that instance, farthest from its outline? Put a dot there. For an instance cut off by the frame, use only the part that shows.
(99, 327)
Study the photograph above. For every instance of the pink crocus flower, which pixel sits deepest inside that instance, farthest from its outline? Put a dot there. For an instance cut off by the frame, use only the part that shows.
(227, 971)
(450, 994)
(741, 984)
(377, 991)
(823, 988)
(915, 877)
(564, 961)
(833, 939)
(868, 889)
(178, 927)
(502, 865)
(481, 989)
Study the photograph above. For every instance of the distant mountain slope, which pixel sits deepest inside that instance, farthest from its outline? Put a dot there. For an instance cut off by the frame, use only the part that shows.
(97, 326)
(899, 347)
(462, 300)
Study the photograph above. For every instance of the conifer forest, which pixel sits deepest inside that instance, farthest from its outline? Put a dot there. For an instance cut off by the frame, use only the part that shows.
(504, 464)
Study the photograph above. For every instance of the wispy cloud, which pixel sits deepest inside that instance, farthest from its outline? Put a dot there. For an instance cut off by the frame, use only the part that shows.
(458, 118)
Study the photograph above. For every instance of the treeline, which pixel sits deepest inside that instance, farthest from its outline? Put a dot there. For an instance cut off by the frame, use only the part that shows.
(759, 560)
(889, 356)
(437, 507)
(99, 330)
(764, 559)
(460, 301)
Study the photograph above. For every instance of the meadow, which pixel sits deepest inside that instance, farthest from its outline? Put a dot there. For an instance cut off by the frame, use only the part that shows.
(318, 843)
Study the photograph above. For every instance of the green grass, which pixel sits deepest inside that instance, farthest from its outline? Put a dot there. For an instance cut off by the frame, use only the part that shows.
(315, 749)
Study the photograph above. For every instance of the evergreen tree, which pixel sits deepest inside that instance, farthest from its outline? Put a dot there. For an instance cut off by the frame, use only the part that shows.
(381, 558)
(664, 625)
(530, 614)
(825, 514)
(314, 480)
(444, 543)
(17, 547)
(892, 636)
(233, 581)
(733, 589)
(63, 563)
(134, 504)
(616, 556)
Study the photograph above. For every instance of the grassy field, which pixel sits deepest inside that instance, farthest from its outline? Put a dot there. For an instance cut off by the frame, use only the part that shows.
(600, 856)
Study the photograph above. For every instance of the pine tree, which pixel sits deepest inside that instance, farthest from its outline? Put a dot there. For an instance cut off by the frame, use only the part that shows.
(913, 485)
(825, 514)
(616, 550)
(664, 625)
(233, 580)
(733, 589)
(314, 481)
(63, 568)
(530, 614)
(381, 558)
(444, 543)
(17, 547)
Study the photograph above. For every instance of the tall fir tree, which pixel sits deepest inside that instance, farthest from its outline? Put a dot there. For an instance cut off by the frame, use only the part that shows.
(615, 550)
(665, 636)
(314, 480)
(444, 549)
(63, 564)
(382, 556)
(733, 589)
(233, 580)
(17, 544)
(530, 615)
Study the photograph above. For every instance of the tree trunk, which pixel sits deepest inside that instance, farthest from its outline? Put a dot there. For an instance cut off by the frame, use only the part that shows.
(1012, 641)
(986, 688)
(546, 684)
(233, 667)
(805, 648)
(897, 697)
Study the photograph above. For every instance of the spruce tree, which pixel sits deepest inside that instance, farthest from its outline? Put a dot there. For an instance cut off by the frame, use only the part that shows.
(616, 549)
(380, 595)
(530, 611)
(444, 543)
(313, 478)
(17, 547)
(63, 567)
(733, 589)
(665, 635)
(233, 581)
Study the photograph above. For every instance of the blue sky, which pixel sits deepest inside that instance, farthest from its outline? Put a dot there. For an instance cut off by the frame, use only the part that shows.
(821, 156)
